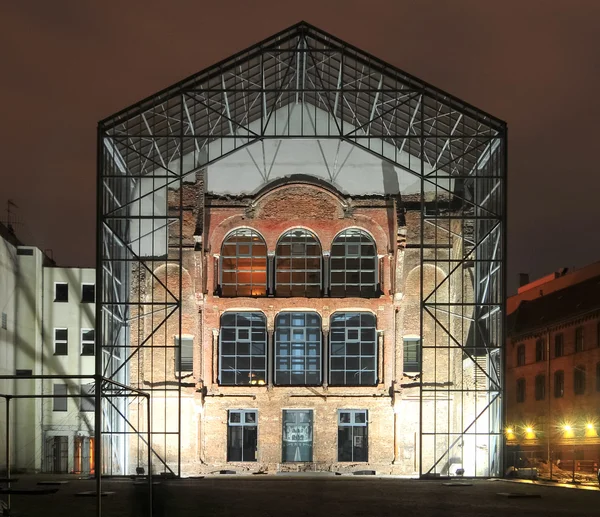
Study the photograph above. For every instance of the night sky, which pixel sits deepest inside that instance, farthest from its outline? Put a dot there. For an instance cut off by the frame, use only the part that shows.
(535, 64)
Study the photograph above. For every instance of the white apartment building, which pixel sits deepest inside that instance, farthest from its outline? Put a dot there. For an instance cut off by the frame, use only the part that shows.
(47, 316)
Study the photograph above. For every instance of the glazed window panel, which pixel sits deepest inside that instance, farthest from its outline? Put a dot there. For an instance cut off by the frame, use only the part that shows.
(297, 434)
(521, 390)
(559, 345)
(242, 435)
(579, 380)
(298, 343)
(353, 435)
(540, 350)
(353, 265)
(579, 343)
(559, 384)
(243, 349)
(521, 355)
(353, 351)
(243, 264)
(298, 265)
(540, 387)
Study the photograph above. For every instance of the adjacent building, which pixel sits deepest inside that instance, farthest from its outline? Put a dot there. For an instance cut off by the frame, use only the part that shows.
(553, 369)
(47, 329)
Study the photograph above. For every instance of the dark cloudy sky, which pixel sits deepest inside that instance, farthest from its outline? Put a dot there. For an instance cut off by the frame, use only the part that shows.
(536, 64)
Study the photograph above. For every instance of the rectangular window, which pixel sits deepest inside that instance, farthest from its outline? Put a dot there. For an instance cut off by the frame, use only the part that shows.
(25, 251)
(521, 390)
(297, 435)
(61, 341)
(4, 320)
(540, 350)
(61, 292)
(559, 346)
(521, 355)
(559, 384)
(540, 387)
(87, 399)
(579, 339)
(60, 403)
(412, 355)
(88, 340)
(242, 435)
(187, 353)
(352, 435)
(88, 293)
(24, 373)
(579, 380)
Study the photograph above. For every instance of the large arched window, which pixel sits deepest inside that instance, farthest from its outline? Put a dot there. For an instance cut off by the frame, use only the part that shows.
(353, 355)
(298, 349)
(298, 264)
(353, 264)
(243, 349)
(243, 264)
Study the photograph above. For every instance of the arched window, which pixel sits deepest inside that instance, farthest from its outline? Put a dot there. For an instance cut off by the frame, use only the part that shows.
(298, 349)
(243, 264)
(353, 264)
(243, 349)
(353, 355)
(298, 264)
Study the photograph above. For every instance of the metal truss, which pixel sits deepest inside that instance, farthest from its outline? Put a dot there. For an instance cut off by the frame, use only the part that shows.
(304, 84)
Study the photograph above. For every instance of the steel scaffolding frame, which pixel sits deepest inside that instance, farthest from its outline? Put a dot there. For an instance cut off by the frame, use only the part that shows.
(146, 151)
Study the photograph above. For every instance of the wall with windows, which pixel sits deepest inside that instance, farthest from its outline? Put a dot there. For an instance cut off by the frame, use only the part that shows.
(553, 372)
(299, 346)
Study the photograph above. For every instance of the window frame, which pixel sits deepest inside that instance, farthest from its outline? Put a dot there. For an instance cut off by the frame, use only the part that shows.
(521, 390)
(579, 380)
(187, 360)
(521, 357)
(559, 384)
(346, 341)
(540, 386)
(559, 344)
(235, 233)
(61, 341)
(540, 350)
(412, 367)
(279, 256)
(85, 343)
(306, 356)
(240, 357)
(83, 286)
(56, 300)
(87, 392)
(61, 402)
(311, 423)
(353, 424)
(341, 289)
(579, 339)
(243, 424)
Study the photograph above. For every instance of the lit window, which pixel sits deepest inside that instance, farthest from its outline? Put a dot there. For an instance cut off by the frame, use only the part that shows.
(353, 265)
(540, 350)
(521, 355)
(243, 349)
(87, 398)
(579, 339)
(353, 435)
(520, 390)
(242, 435)
(88, 293)
(559, 384)
(559, 346)
(412, 355)
(187, 353)
(297, 443)
(298, 349)
(243, 264)
(61, 341)
(579, 380)
(298, 264)
(540, 387)
(353, 360)
(88, 340)
(60, 403)
(61, 292)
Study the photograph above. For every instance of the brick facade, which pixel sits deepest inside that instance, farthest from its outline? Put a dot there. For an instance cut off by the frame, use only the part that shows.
(393, 404)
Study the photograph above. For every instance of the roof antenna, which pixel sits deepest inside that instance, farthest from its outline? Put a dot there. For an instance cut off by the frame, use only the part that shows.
(11, 216)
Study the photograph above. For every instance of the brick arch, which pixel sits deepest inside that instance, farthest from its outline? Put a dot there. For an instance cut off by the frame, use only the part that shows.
(227, 226)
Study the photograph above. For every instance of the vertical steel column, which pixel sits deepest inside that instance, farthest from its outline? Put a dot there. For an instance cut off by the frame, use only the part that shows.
(8, 453)
(422, 305)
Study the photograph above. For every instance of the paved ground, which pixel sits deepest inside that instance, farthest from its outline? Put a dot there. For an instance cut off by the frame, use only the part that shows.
(344, 496)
